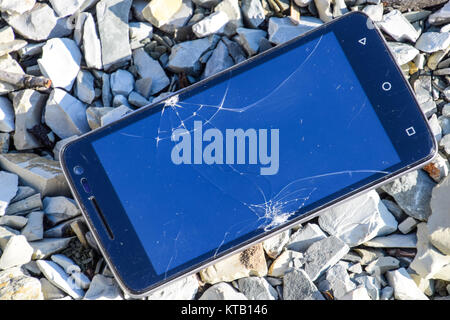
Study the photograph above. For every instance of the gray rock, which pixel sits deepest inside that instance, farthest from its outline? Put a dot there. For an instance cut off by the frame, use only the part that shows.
(298, 286)
(65, 115)
(17, 286)
(250, 39)
(120, 100)
(115, 115)
(430, 42)
(444, 123)
(148, 68)
(32, 268)
(180, 18)
(285, 262)
(206, 3)
(253, 13)
(404, 286)
(407, 225)
(5, 234)
(445, 144)
(304, 237)
(103, 288)
(185, 55)
(65, 8)
(323, 254)
(16, 7)
(219, 60)
(337, 281)
(106, 92)
(4, 142)
(144, 87)
(138, 32)
(393, 241)
(50, 291)
(282, 29)
(92, 48)
(222, 291)
(423, 91)
(435, 128)
(84, 88)
(182, 289)
(112, 21)
(122, 82)
(359, 219)
(59, 278)
(60, 144)
(6, 115)
(27, 205)
(355, 268)
(11, 46)
(40, 23)
(137, 100)
(15, 222)
(81, 280)
(441, 16)
(58, 209)
(235, 50)
(60, 54)
(232, 9)
(359, 293)
(257, 288)
(382, 265)
(8, 189)
(214, 23)
(403, 52)
(61, 230)
(412, 192)
(324, 10)
(386, 293)
(7, 63)
(80, 20)
(16, 252)
(46, 247)
(398, 27)
(394, 209)
(439, 221)
(94, 115)
(275, 244)
(159, 12)
(22, 193)
(34, 230)
(28, 105)
(42, 174)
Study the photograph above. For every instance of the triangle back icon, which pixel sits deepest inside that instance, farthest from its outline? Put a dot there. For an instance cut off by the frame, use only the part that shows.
(362, 41)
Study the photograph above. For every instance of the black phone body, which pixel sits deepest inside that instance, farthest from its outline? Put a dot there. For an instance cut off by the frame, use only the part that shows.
(243, 155)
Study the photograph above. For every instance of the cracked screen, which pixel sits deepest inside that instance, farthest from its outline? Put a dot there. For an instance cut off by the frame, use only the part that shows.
(243, 154)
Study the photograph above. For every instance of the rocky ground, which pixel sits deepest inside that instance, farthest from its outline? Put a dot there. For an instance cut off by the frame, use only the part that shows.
(106, 58)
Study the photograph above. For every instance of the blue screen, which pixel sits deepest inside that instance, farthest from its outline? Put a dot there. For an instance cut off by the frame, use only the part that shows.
(191, 182)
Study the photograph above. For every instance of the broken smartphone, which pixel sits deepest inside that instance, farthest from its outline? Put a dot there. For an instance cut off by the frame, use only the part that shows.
(236, 158)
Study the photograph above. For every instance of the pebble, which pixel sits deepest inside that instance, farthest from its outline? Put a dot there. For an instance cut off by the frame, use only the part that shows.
(46, 247)
(66, 263)
(403, 52)
(439, 221)
(84, 88)
(65, 114)
(393, 241)
(430, 42)
(250, 39)
(297, 285)
(114, 115)
(304, 237)
(282, 29)
(42, 174)
(253, 13)
(183, 289)
(15, 222)
(257, 288)
(398, 27)
(404, 286)
(58, 209)
(8, 189)
(27, 205)
(275, 244)
(92, 49)
(17, 286)
(323, 254)
(16, 252)
(219, 61)
(412, 192)
(285, 262)
(60, 54)
(148, 68)
(34, 230)
(214, 23)
(337, 281)
(359, 220)
(222, 291)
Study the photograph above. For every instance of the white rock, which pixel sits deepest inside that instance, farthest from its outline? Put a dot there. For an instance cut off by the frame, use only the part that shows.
(182, 289)
(57, 55)
(404, 286)
(80, 20)
(441, 16)
(375, 12)
(159, 12)
(8, 189)
(398, 27)
(403, 52)
(81, 280)
(439, 221)
(382, 264)
(430, 42)
(253, 12)
(114, 115)
(425, 285)
(16, 252)
(65, 115)
(304, 237)
(232, 9)
(6, 34)
(435, 129)
(138, 32)
(180, 18)
(359, 293)
(65, 8)
(94, 115)
(214, 23)
(285, 262)
(359, 220)
(84, 88)
(59, 278)
(274, 245)
(66, 263)
(17, 7)
(324, 10)
(219, 61)
(282, 29)
(407, 225)
(249, 39)
(222, 291)
(103, 288)
(148, 68)
(11, 46)
(393, 241)
(58, 209)
(338, 281)
(257, 288)
(15, 222)
(6, 115)
(122, 82)
(17, 286)
(445, 144)
(92, 48)
(297, 285)
(34, 230)
(46, 247)
(9, 64)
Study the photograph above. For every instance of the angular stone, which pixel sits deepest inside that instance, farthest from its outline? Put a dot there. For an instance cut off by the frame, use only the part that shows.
(8, 189)
(46, 247)
(84, 88)
(17, 7)
(94, 115)
(59, 278)
(253, 13)
(22, 193)
(257, 288)
(4, 142)
(337, 281)
(50, 291)
(382, 265)
(58, 209)
(159, 12)
(138, 32)
(60, 54)
(5, 234)
(66, 263)
(10, 65)
(398, 27)
(15, 222)
(375, 12)
(430, 42)
(359, 219)
(439, 221)
(24, 206)
(6, 115)
(42, 174)
(407, 225)
(359, 293)
(441, 16)
(137, 100)
(214, 23)
(61, 230)
(275, 244)
(283, 29)
(323, 254)
(122, 82)
(445, 144)
(393, 241)
(40, 23)
(232, 9)
(403, 52)
(147, 67)
(17, 286)
(304, 237)
(112, 21)
(412, 192)
(404, 286)
(180, 18)
(60, 144)
(285, 262)
(92, 48)
(120, 101)
(6, 34)
(247, 263)
(297, 285)
(106, 93)
(16, 253)
(34, 230)
(250, 39)
(219, 61)
(182, 289)
(11, 46)
(28, 105)
(103, 288)
(65, 115)
(114, 115)
(80, 20)
(222, 291)
(425, 285)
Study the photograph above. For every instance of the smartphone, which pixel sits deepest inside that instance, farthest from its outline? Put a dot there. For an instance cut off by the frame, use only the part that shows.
(236, 158)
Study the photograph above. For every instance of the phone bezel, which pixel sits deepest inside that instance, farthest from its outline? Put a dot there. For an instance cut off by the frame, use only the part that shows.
(116, 255)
